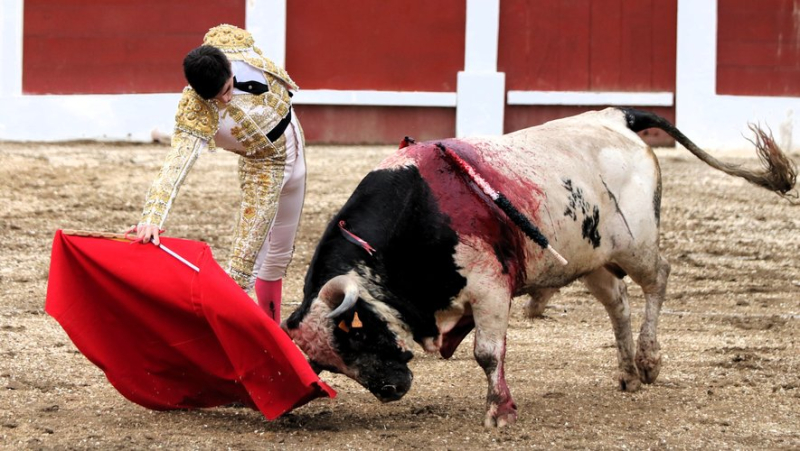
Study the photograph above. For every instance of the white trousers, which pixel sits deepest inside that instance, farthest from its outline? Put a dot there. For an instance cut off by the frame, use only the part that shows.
(276, 253)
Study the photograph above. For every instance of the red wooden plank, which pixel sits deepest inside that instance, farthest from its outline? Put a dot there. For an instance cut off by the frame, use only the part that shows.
(123, 17)
(605, 45)
(752, 25)
(625, 45)
(740, 4)
(513, 43)
(664, 21)
(117, 46)
(409, 45)
(758, 48)
(374, 125)
(542, 41)
(573, 45)
(117, 50)
(544, 44)
(528, 52)
(520, 117)
(760, 54)
(637, 45)
(756, 81)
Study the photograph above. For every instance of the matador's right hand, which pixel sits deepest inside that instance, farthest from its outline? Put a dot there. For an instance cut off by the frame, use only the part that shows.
(147, 232)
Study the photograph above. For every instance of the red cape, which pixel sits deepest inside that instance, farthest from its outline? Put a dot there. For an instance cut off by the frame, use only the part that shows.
(168, 337)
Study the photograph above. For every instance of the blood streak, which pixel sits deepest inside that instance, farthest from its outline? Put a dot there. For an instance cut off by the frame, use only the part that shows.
(471, 212)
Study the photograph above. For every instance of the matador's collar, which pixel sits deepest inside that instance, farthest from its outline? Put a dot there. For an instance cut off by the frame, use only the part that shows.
(238, 45)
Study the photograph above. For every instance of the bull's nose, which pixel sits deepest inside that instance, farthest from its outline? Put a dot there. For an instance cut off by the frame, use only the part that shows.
(390, 393)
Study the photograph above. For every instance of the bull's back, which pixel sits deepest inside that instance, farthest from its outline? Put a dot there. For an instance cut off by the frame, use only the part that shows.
(601, 185)
(571, 177)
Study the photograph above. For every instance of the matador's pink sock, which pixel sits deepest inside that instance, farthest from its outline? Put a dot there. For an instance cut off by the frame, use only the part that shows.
(268, 293)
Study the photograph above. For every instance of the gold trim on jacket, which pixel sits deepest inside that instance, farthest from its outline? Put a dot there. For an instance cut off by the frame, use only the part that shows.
(238, 45)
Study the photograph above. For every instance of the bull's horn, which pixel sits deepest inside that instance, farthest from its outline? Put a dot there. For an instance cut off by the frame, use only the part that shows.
(339, 285)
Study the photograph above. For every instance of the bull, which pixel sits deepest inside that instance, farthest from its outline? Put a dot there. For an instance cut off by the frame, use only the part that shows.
(419, 254)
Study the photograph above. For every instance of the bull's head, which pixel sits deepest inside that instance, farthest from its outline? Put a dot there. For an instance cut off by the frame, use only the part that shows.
(345, 330)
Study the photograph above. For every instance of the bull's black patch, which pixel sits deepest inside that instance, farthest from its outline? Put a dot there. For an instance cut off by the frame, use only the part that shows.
(657, 201)
(395, 211)
(590, 225)
(615, 269)
(578, 206)
(574, 201)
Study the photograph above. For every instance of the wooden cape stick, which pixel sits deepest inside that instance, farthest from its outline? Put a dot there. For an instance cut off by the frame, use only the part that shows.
(124, 237)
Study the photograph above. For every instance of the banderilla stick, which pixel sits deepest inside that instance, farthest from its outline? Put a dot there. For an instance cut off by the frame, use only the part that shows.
(502, 201)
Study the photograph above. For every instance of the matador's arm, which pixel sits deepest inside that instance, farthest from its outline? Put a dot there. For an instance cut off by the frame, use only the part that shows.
(164, 189)
(196, 123)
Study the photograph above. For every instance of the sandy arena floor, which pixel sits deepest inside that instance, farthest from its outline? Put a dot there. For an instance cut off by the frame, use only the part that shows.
(729, 331)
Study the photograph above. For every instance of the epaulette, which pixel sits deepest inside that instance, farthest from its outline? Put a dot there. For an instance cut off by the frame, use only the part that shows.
(197, 116)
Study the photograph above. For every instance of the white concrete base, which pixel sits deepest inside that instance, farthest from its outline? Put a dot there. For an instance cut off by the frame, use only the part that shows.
(481, 104)
(594, 98)
(98, 117)
(374, 98)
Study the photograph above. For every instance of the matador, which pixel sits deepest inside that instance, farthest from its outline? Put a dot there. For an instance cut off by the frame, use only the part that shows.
(251, 115)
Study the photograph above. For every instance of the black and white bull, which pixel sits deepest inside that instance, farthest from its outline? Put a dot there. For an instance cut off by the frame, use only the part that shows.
(437, 258)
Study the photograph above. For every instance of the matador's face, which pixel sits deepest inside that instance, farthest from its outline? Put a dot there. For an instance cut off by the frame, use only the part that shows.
(226, 93)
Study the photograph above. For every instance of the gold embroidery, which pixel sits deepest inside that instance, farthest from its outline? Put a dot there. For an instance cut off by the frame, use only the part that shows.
(197, 116)
(260, 168)
(226, 37)
(268, 66)
(182, 155)
(261, 181)
(255, 117)
(237, 44)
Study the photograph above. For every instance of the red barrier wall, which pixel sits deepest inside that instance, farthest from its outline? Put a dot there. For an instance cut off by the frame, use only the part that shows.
(409, 45)
(374, 124)
(758, 48)
(586, 45)
(413, 45)
(136, 46)
(115, 46)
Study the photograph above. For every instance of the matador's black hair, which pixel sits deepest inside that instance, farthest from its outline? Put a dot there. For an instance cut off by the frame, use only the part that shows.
(207, 70)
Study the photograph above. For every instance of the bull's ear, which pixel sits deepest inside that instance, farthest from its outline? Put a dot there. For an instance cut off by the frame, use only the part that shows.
(340, 294)
(356, 324)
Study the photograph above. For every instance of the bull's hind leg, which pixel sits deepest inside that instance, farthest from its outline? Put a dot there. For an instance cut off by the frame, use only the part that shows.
(613, 294)
(537, 301)
(648, 354)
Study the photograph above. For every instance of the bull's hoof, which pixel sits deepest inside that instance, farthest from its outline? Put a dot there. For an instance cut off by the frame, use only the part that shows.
(501, 415)
(649, 367)
(500, 421)
(628, 382)
(648, 359)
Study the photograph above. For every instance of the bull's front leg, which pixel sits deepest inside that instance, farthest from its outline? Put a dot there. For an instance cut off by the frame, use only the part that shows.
(491, 322)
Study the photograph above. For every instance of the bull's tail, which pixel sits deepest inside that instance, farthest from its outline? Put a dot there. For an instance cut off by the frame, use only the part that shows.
(779, 173)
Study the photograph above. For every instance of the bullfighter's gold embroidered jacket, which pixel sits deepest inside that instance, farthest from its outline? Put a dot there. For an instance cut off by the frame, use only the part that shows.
(241, 126)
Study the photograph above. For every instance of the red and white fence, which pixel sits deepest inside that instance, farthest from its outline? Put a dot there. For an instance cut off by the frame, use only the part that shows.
(374, 71)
